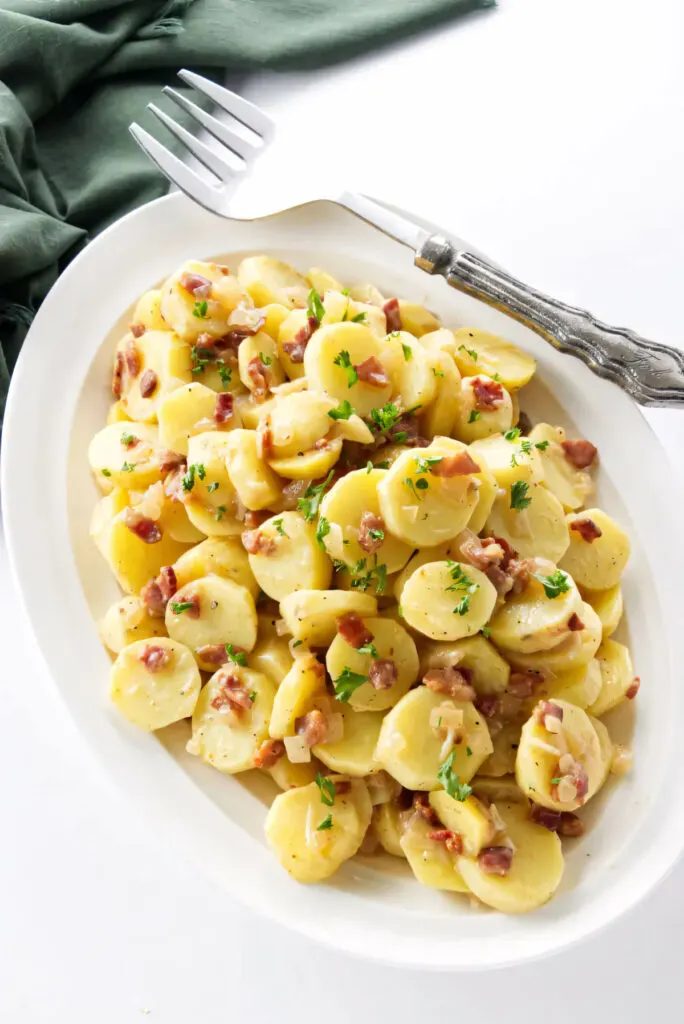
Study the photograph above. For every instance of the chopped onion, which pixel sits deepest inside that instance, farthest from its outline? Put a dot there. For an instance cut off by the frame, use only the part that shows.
(566, 763)
(335, 728)
(240, 509)
(297, 750)
(446, 716)
(281, 627)
(548, 748)
(498, 824)
(448, 744)
(152, 503)
(382, 788)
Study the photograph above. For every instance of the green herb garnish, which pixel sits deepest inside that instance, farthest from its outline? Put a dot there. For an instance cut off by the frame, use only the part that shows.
(313, 495)
(266, 360)
(424, 464)
(213, 487)
(327, 789)
(196, 469)
(129, 439)
(343, 360)
(471, 352)
(106, 472)
(322, 530)
(252, 695)
(360, 318)
(486, 632)
(368, 649)
(225, 372)
(178, 607)
(458, 790)
(347, 682)
(555, 584)
(474, 416)
(512, 435)
(343, 411)
(220, 512)
(326, 824)
(239, 657)
(200, 310)
(128, 467)
(408, 351)
(461, 583)
(278, 523)
(314, 306)
(385, 418)
(519, 499)
(436, 372)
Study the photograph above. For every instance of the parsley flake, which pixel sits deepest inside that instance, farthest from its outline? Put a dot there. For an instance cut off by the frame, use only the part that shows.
(178, 607)
(327, 789)
(196, 469)
(314, 306)
(128, 467)
(360, 318)
(519, 499)
(474, 416)
(486, 632)
(343, 360)
(408, 351)
(343, 411)
(200, 310)
(129, 439)
(471, 352)
(436, 372)
(322, 530)
(512, 435)
(385, 418)
(225, 372)
(458, 790)
(252, 695)
(368, 649)
(278, 523)
(541, 445)
(378, 535)
(106, 472)
(213, 487)
(313, 495)
(326, 824)
(239, 657)
(347, 682)
(266, 360)
(554, 782)
(201, 357)
(555, 584)
(220, 512)
(461, 584)
(424, 464)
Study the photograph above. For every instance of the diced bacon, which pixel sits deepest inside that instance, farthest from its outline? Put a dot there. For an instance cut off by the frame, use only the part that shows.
(269, 753)
(382, 674)
(352, 628)
(148, 383)
(264, 440)
(421, 805)
(257, 375)
(408, 425)
(451, 840)
(255, 542)
(523, 684)
(312, 727)
(254, 519)
(509, 553)
(495, 860)
(499, 579)
(545, 709)
(371, 371)
(292, 492)
(633, 689)
(223, 410)
(132, 357)
(322, 444)
(580, 453)
(544, 816)
(392, 315)
(155, 658)
(169, 460)
(296, 348)
(488, 394)
(575, 624)
(488, 704)
(519, 572)
(587, 529)
(213, 654)
(153, 599)
(196, 284)
(483, 554)
(455, 465)
(370, 521)
(131, 441)
(137, 330)
(145, 529)
(168, 581)
(571, 827)
(232, 695)
(451, 681)
(117, 374)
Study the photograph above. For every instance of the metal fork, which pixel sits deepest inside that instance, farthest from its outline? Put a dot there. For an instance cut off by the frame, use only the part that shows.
(653, 374)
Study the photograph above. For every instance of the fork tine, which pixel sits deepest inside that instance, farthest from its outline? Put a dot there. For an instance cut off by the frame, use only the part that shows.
(174, 169)
(241, 109)
(224, 170)
(234, 142)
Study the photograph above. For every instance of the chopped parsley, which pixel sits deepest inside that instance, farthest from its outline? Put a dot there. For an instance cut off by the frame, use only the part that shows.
(422, 484)
(424, 464)
(266, 360)
(541, 445)
(469, 752)
(458, 790)
(129, 439)
(387, 417)
(368, 649)
(322, 530)
(436, 372)
(239, 657)
(412, 487)
(369, 467)
(313, 495)
(378, 535)
(343, 411)
(220, 512)
(343, 360)
(178, 607)
(408, 352)
(278, 523)
(347, 682)
(128, 467)
(362, 578)
(252, 695)
(196, 469)
(326, 824)
(201, 357)
(554, 782)
(360, 318)
(385, 464)
(327, 789)
(314, 306)
(497, 377)
(106, 472)
(512, 435)
(486, 632)
(471, 352)
(200, 310)
(213, 487)
(461, 584)
(474, 416)
(297, 643)
(225, 372)
(519, 499)
(555, 584)
(524, 449)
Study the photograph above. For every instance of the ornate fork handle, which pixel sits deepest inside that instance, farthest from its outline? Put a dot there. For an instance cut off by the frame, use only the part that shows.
(651, 373)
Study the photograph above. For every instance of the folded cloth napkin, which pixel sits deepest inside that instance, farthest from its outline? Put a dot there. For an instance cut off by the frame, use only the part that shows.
(75, 73)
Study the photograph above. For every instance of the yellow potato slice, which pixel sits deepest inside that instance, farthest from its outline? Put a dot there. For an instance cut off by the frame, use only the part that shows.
(410, 749)
(470, 818)
(211, 500)
(226, 614)
(226, 739)
(173, 518)
(489, 673)
(344, 505)
(501, 761)
(503, 789)
(507, 461)
(447, 601)
(431, 862)
(126, 621)
(481, 352)
(297, 562)
(148, 311)
(390, 821)
(155, 696)
(104, 512)
(596, 564)
(322, 281)
(416, 319)
(188, 411)
(287, 775)
(351, 344)
(165, 355)
(571, 486)
(272, 657)
(413, 381)
(487, 491)
(310, 615)
(532, 620)
(471, 423)
(269, 280)
(218, 556)
(131, 559)
(264, 349)
(391, 642)
(575, 650)
(539, 530)
(275, 314)
(188, 316)
(308, 852)
(311, 465)
(580, 686)
(535, 873)
(353, 754)
(440, 416)
(540, 751)
(297, 421)
(126, 455)
(617, 676)
(606, 744)
(367, 293)
(341, 308)
(256, 485)
(421, 507)
(437, 554)
(608, 605)
(296, 695)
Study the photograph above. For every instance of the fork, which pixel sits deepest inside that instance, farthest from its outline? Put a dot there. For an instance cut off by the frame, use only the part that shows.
(651, 373)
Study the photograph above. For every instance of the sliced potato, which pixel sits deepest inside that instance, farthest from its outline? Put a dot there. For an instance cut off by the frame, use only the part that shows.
(269, 280)
(481, 352)
(470, 818)
(440, 416)
(188, 411)
(347, 344)
(474, 422)
(596, 564)
(287, 775)
(310, 615)
(272, 656)
(311, 465)
(487, 490)
(534, 621)
(322, 281)
(155, 683)
(390, 820)
(576, 649)
(165, 364)
(275, 314)
(608, 605)
(296, 695)
(503, 789)
(539, 530)
(431, 862)
(218, 556)
(297, 421)
(501, 761)
(390, 642)
(259, 363)
(131, 559)
(507, 461)
(189, 315)
(225, 614)
(297, 561)
(256, 485)
(416, 319)
(617, 676)
(148, 311)
(580, 685)
(228, 739)
(126, 455)
(448, 600)
(414, 383)
(354, 753)
(571, 486)
(125, 622)
(211, 500)
(489, 673)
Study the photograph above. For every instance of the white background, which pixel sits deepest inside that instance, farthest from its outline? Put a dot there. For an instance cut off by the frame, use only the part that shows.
(549, 133)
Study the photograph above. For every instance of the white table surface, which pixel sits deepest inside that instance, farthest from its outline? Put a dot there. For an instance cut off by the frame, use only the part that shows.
(549, 133)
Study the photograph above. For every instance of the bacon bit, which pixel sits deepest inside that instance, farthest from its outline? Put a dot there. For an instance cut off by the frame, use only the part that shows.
(167, 581)
(634, 688)
(196, 284)
(451, 681)
(130, 442)
(264, 440)
(169, 460)
(145, 529)
(519, 573)
(370, 521)
(451, 840)
(352, 628)
(132, 357)
(255, 519)
(371, 371)
(312, 727)
(587, 529)
(155, 658)
(223, 410)
(499, 579)
(489, 394)
(455, 465)
(148, 383)
(421, 806)
(392, 315)
(117, 374)
(137, 330)
(523, 684)
(231, 340)
(545, 709)
(269, 753)
(213, 654)
(257, 543)
(487, 704)
(232, 694)
(575, 624)
(571, 827)
(408, 425)
(157, 593)
(296, 348)
(545, 817)
(495, 860)
(382, 674)
(257, 375)
(580, 453)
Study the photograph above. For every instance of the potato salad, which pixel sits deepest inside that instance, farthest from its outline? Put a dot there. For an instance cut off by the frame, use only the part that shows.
(350, 561)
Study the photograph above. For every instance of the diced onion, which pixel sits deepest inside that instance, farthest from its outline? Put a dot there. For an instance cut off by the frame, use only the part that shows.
(448, 744)
(566, 762)
(548, 748)
(498, 824)
(281, 627)
(151, 504)
(446, 716)
(297, 750)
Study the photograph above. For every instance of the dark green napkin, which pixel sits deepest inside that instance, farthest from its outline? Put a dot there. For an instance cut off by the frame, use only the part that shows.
(75, 73)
